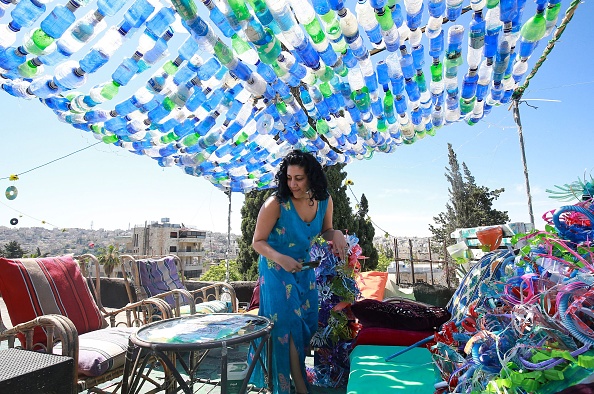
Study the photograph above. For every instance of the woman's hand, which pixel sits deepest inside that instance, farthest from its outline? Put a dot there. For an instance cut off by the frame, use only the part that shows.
(289, 264)
(339, 245)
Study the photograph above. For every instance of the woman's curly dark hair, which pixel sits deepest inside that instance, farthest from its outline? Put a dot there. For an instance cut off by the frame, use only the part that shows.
(318, 184)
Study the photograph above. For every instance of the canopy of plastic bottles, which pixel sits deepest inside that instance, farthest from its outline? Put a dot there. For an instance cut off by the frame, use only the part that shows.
(225, 88)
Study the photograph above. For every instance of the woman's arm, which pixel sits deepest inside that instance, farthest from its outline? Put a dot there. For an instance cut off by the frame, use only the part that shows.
(267, 217)
(339, 244)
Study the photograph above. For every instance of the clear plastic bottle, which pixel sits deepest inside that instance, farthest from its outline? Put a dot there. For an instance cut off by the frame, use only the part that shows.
(476, 40)
(367, 20)
(282, 13)
(68, 75)
(81, 32)
(348, 25)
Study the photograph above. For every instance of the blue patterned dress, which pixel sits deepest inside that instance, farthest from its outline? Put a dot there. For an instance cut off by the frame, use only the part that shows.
(289, 300)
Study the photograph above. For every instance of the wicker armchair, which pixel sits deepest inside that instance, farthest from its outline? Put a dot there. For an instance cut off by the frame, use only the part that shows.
(61, 335)
(172, 285)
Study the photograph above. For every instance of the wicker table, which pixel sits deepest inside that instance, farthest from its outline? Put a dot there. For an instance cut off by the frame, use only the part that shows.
(28, 372)
(169, 340)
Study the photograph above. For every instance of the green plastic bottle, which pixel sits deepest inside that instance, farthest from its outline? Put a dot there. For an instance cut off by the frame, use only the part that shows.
(322, 127)
(385, 19)
(239, 9)
(534, 28)
(314, 29)
(222, 52)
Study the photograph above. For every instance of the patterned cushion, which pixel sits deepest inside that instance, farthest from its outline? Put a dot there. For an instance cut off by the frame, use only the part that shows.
(36, 287)
(485, 270)
(159, 276)
(101, 351)
(401, 314)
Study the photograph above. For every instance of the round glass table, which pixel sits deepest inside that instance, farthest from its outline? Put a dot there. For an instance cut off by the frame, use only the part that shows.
(169, 340)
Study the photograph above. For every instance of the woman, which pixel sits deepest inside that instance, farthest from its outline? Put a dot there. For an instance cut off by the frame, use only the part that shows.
(287, 225)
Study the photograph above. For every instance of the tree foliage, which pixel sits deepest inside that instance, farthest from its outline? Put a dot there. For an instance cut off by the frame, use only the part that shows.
(217, 273)
(363, 228)
(248, 258)
(343, 213)
(470, 205)
(109, 258)
(12, 250)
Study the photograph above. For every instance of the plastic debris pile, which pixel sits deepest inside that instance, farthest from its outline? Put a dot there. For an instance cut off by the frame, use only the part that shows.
(524, 322)
(225, 88)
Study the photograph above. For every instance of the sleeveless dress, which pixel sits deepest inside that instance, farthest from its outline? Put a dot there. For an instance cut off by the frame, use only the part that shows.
(289, 300)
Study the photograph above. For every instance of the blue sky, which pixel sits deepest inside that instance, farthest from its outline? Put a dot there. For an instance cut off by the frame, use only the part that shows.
(106, 187)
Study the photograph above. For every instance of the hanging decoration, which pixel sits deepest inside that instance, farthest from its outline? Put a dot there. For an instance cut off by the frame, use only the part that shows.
(14, 221)
(224, 89)
(11, 192)
(337, 290)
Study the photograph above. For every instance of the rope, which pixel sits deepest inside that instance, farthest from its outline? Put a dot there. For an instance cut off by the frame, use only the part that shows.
(52, 161)
(566, 19)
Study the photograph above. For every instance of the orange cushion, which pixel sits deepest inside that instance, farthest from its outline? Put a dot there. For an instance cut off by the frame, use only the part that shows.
(37, 287)
(372, 284)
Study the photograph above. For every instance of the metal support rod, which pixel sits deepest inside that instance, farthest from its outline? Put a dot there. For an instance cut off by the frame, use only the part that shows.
(430, 260)
(228, 192)
(396, 261)
(412, 262)
(516, 114)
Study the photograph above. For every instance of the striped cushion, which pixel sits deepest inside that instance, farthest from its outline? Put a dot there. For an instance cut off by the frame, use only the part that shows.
(101, 351)
(158, 276)
(36, 287)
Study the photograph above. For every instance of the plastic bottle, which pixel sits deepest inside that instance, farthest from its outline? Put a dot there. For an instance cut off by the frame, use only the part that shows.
(81, 32)
(532, 32)
(25, 13)
(282, 14)
(219, 18)
(60, 19)
(389, 31)
(551, 15)
(502, 56)
(367, 20)
(453, 9)
(484, 79)
(476, 40)
(348, 25)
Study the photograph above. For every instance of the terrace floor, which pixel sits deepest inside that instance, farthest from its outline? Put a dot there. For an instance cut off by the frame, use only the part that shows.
(209, 368)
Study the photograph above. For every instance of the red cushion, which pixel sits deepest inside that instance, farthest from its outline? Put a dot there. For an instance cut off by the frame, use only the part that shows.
(391, 337)
(37, 287)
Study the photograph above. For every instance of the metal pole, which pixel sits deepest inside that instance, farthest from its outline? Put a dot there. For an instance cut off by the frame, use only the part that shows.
(412, 263)
(430, 260)
(396, 261)
(516, 113)
(228, 192)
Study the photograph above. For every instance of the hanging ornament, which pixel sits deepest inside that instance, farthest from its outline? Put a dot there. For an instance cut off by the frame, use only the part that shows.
(13, 177)
(11, 192)
(14, 221)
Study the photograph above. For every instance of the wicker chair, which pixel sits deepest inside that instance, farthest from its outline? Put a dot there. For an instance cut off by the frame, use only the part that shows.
(172, 289)
(60, 332)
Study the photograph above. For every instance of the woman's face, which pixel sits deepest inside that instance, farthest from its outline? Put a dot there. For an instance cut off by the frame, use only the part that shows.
(297, 181)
